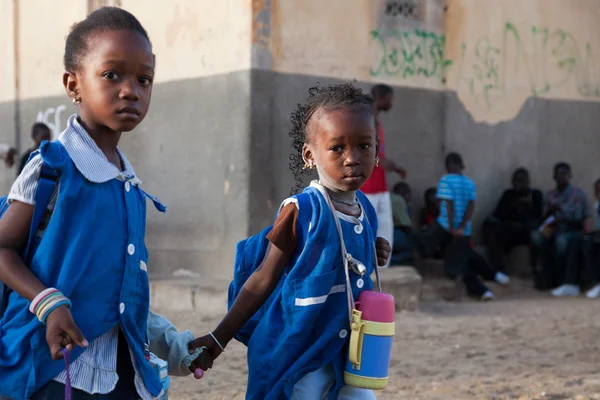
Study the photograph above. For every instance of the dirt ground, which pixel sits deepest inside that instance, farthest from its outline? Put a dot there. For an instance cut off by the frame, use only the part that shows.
(522, 346)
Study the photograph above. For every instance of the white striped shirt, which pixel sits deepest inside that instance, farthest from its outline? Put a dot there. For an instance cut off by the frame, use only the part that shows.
(95, 371)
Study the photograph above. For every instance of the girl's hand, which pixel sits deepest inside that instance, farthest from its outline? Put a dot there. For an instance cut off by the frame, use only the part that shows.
(206, 358)
(203, 361)
(383, 250)
(61, 332)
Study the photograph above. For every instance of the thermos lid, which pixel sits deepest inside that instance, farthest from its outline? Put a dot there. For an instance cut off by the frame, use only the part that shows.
(376, 306)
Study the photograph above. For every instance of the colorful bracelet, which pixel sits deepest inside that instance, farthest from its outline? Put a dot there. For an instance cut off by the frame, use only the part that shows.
(46, 302)
(36, 301)
(62, 302)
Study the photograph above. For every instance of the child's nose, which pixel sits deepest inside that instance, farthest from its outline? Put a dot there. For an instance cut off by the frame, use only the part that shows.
(129, 90)
(353, 157)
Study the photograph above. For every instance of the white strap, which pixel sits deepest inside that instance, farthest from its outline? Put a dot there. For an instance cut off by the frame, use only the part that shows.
(345, 255)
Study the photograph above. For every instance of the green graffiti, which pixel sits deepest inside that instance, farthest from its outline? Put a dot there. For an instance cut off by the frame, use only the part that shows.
(539, 62)
(408, 54)
(536, 60)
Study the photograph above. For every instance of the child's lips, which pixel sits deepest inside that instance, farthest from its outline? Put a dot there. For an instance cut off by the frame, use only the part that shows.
(353, 177)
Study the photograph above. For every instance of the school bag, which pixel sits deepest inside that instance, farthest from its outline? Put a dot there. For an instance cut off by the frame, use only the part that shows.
(249, 255)
(47, 183)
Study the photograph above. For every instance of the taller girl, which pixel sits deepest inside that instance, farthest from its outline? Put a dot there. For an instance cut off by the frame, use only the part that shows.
(86, 287)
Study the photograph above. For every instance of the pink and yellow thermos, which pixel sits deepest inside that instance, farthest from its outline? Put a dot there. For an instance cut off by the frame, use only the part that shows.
(371, 337)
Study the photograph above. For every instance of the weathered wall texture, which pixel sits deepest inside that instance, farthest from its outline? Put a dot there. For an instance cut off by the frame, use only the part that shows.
(191, 150)
(506, 83)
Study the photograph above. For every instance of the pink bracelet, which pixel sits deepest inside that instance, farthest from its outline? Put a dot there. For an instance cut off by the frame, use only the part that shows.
(41, 296)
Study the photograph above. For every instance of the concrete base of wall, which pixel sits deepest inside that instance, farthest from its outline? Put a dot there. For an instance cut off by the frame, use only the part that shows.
(404, 283)
(216, 151)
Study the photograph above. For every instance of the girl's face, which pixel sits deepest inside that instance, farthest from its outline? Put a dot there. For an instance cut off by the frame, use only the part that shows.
(342, 144)
(114, 80)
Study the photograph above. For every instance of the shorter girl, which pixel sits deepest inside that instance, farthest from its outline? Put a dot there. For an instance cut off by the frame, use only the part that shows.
(299, 347)
(86, 286)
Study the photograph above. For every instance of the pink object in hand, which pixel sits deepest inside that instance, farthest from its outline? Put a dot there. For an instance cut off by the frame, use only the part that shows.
(198, 373)
(376, 306)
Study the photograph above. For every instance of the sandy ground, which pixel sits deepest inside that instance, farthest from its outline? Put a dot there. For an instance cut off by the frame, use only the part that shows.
(522, 346)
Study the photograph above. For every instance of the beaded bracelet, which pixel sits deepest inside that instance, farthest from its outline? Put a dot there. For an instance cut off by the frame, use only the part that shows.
(62, 302)
(46, 302)
(36, 301)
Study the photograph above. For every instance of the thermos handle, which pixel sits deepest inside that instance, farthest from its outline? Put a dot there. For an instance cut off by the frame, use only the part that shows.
(356, 339)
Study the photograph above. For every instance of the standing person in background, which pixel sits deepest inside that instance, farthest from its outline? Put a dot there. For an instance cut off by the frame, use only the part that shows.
(39, 133)
(401, 197)
(452, 232)
(376, 187)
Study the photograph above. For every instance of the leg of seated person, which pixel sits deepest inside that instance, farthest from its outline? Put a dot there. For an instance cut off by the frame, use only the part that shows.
(494, 241)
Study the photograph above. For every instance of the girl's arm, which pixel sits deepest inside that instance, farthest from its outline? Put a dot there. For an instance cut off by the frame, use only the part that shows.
(14, 232)
(61, 330)
(253, 295)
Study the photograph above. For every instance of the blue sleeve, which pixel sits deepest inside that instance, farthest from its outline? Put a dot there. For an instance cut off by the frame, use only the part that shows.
(444, 190)
(472, 191)
(168, 344)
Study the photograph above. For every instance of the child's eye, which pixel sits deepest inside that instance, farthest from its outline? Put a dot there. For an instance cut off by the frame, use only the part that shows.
(110, 75)
(364, 146)
(336, 149)
(145, 81)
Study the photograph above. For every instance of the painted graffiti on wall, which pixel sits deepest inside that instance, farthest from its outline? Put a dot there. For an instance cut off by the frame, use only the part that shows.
(537, 60)
(408, 54)
(534, 59)
(52, 117)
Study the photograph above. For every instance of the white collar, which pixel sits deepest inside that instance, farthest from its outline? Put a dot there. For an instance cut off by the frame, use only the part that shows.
(317, 185)
(87, 156)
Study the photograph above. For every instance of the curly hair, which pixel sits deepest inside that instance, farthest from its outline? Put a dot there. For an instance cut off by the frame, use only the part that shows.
(326, 98)
(103, 19)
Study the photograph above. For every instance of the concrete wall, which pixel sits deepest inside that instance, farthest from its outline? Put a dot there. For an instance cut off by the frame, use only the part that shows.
(191, 150)
(505, 83)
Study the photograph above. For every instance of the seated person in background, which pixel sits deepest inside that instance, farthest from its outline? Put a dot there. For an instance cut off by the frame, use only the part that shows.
(519, 211)
(427, 217)
(559, 238)
(591, 250)
(430, 210)
(402, 250)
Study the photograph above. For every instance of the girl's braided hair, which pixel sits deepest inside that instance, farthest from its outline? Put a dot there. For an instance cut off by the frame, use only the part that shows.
(327, 98)
(103, 19)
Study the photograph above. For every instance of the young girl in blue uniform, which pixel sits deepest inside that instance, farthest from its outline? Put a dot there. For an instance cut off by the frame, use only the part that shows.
(299, 347)
(86, 288)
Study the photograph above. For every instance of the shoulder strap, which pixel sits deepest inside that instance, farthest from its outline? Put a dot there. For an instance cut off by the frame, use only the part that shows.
(46, 186)
(304, 215)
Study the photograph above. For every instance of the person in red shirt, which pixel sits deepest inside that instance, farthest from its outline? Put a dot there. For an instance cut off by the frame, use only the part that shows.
(376, 187)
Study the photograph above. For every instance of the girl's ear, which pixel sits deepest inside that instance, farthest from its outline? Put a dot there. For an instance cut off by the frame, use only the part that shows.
(71, 84)
(308, 157)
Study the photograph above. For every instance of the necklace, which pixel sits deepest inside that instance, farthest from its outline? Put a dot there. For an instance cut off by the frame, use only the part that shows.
(336, 199)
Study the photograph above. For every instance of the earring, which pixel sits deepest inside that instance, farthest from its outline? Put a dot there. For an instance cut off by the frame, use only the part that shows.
(308, 166)
(76, 102)
(377, 161)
